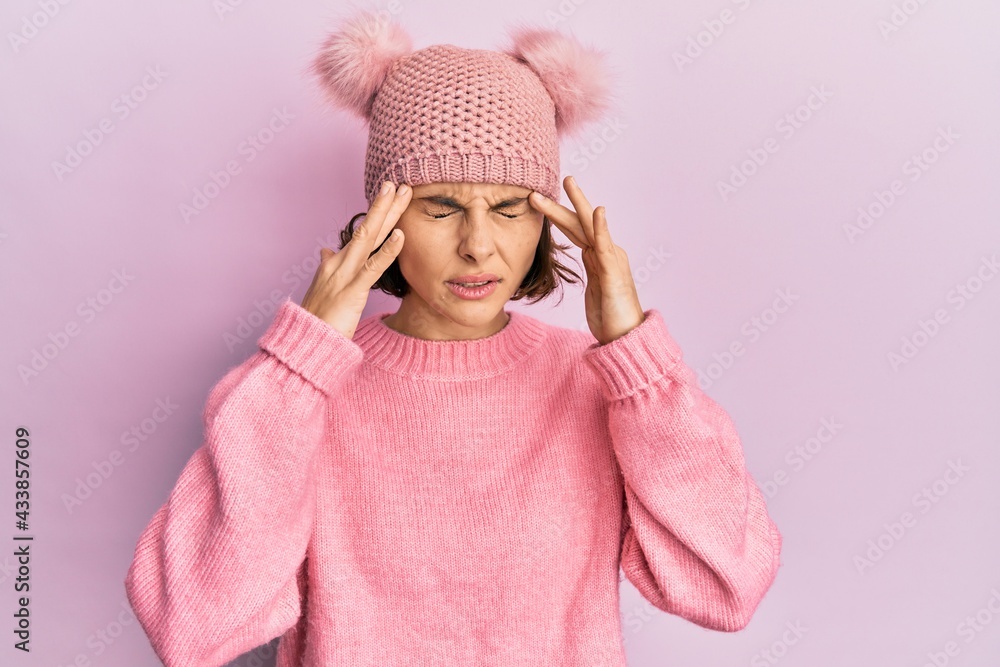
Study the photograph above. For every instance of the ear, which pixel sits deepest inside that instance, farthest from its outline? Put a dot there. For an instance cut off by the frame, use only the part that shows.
(354, 59)
(576, 77)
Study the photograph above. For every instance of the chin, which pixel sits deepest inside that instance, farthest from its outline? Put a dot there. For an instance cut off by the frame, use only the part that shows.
(482, 310)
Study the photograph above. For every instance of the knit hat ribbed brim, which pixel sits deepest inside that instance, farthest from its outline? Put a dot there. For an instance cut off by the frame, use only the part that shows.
(446, 113)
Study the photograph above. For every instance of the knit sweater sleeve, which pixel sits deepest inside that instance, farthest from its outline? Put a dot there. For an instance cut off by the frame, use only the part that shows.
(697, 538)
(214, 573)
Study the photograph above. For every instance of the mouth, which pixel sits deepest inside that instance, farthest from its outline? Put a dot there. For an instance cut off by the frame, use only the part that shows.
(479, 289)
(470, 280)
(475, 284)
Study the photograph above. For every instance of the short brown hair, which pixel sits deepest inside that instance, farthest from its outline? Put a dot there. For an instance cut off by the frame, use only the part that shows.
(546, 272)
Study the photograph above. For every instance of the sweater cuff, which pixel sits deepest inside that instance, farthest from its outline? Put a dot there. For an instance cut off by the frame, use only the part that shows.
(310, 347)
(636, 360)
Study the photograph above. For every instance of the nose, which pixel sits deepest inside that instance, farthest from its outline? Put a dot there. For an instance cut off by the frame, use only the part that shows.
(475, 233)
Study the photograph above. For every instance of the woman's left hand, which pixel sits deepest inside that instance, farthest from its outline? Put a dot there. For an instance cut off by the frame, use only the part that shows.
(612, 302)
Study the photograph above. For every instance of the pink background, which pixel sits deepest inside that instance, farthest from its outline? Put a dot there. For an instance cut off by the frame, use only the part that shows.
(716, 266)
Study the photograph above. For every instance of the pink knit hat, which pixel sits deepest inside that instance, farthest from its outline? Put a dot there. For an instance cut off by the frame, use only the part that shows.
(445, 113)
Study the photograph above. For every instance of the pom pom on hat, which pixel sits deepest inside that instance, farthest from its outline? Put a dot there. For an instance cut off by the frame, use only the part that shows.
(575, 76)
(451, 114)
(354, 59)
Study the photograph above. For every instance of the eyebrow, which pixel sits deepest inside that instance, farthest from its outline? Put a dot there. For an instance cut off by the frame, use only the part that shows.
(448, 201)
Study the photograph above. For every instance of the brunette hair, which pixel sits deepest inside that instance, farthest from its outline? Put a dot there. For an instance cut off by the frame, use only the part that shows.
(546, 272)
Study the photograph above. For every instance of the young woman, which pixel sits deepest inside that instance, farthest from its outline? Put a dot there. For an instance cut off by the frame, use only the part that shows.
(455, 483)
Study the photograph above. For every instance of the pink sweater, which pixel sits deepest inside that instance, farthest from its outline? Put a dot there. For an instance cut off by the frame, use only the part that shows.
(386, 500)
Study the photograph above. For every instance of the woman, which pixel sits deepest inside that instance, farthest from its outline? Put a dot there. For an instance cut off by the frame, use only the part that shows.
(455, 483)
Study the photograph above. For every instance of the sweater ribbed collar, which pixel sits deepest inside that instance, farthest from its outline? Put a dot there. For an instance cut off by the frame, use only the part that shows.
(407, 355)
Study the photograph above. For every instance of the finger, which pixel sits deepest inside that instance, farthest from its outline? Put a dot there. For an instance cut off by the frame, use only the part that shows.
(583, 208)
(362, 240)
(379, 220)
(402, 198)
(375, 266)
(602, 236)
(588, 264)
(605, 249)
(328, 261)
(566, 220)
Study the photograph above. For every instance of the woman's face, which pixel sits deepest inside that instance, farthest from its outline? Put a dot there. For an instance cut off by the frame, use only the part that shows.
(459, 229)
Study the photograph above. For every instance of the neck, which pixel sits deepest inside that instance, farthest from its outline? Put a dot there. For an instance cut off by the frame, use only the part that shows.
(421, 321)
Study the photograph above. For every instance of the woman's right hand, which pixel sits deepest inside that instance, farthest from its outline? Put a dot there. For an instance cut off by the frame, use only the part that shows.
(340, 288)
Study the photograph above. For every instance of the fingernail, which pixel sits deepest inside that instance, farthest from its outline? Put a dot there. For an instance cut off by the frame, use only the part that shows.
(403, 189)
(385, 188)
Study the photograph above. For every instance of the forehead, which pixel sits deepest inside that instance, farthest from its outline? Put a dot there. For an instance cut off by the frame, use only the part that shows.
(469, 191)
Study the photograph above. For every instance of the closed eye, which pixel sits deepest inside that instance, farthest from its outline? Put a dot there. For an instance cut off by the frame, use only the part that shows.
(449, 203)
(438, 216)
